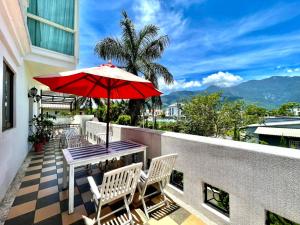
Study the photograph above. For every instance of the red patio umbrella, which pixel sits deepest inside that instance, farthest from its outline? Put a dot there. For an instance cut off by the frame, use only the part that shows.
(105, 81)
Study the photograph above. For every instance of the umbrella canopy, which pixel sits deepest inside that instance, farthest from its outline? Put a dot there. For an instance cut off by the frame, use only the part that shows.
(105, 81)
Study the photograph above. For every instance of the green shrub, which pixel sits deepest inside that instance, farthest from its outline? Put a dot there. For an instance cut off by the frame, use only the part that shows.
(124, 120)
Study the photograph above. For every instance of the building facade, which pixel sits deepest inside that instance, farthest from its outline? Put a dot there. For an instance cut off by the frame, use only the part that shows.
(296, 111)
(34, 40)
(174, 110)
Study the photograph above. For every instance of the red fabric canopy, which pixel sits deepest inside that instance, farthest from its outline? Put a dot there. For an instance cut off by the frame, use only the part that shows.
(105, 81)
(97, 82)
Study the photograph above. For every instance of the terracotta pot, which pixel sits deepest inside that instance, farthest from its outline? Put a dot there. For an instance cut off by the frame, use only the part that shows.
(38, 147)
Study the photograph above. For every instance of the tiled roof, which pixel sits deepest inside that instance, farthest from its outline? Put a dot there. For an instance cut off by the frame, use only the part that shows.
(274, 131)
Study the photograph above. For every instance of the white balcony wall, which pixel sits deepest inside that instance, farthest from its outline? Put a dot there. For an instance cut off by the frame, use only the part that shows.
(13, 141)
(257, 177)
(25, 61)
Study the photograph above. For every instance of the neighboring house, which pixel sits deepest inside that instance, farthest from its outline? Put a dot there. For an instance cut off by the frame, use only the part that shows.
(157, 112)
(34, 40)
(271, 119)
(285, 137)
(296, 111)
(275, 133)
(174, 110)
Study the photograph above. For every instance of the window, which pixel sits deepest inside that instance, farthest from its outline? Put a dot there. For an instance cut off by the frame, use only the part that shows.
(8, 98)
(274, 219)
(51, 24)
(216, 198)
(177, 179)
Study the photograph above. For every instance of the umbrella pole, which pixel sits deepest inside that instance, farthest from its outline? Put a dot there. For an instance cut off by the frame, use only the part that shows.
(107, 116)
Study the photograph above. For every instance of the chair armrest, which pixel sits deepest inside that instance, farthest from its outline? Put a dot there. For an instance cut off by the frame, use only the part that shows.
(94, 187)
(143, 176)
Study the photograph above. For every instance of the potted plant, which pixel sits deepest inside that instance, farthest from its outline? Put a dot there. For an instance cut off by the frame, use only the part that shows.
(35, 140)
(42, 131)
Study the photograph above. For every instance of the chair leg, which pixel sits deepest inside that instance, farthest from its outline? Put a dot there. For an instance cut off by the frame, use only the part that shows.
(163, 193)
(128, 210)
(98, 211)
(145, 207)
(142, 191)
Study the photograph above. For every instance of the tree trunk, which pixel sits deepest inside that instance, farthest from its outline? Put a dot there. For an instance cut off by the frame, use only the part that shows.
(153, 119)
(135, 110)
(91, 106)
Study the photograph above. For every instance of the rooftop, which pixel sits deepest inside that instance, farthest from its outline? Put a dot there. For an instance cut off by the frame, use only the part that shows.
(274, 131)
(282, 123)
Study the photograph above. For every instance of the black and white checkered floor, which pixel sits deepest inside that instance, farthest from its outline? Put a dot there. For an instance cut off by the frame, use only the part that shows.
(41, 200)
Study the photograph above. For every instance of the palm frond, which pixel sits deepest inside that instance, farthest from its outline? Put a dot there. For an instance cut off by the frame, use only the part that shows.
(147, 34)
(152, 71)
(111, 48)
(155, 48)
(129, 36)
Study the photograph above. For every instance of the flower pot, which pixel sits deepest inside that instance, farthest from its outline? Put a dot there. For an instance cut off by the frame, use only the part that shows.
(38, 147)
(43, 140)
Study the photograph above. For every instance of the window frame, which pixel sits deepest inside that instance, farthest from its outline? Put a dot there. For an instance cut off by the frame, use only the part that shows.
(268, 215)
(174, 184)
(58, 26)
(7, 69)
(208, 201)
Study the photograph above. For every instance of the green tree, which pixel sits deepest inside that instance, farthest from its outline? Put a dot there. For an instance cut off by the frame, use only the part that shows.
(137, 52)
(117, 108)
(124, 120)
(286, 109)
(231, 117)
(254, 114)
(211, 115)
(202, 115)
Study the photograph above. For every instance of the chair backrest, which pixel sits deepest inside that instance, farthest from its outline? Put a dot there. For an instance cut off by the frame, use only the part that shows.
(161, 168)
(120, 182)
(71, 132)
(101, 138)
(74, 142)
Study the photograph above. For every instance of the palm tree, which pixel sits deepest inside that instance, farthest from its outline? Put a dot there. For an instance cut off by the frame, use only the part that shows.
(84, 102)
(136, 51)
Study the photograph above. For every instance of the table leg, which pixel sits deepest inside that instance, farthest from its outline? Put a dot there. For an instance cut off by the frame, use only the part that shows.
(145, 160)
(71, 189)
(65, 173)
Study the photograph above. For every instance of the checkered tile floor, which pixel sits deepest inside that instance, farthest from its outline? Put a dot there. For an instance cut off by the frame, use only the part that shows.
(41, 200)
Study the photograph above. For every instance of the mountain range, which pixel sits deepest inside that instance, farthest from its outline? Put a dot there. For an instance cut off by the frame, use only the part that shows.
(269, 93)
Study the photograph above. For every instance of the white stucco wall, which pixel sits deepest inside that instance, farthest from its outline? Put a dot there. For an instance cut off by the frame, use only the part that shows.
(13, 142)
(257, 177)
(16, 50)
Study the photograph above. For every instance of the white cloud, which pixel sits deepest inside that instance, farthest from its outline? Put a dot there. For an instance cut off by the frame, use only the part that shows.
(292, 70)
(179, 85)
(186, 3)
(170, 21)
(222, 79)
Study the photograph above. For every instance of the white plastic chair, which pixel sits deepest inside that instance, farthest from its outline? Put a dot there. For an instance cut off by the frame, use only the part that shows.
(159, 172)
(116, 184)
(67, 133)
(101, 136)
(74, 141)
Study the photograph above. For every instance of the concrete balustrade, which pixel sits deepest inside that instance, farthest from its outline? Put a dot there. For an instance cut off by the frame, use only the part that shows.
(259, 178)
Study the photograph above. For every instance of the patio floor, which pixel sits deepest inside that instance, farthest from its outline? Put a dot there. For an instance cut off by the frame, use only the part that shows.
(41, 200)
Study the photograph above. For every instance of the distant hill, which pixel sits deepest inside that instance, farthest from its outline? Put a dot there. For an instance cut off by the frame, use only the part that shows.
(270, 92)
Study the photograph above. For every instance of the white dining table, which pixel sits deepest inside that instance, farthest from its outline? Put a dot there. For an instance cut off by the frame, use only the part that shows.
(92, 154)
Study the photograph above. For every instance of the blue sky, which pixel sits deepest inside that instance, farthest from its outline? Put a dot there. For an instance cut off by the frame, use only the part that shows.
(212, 42)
